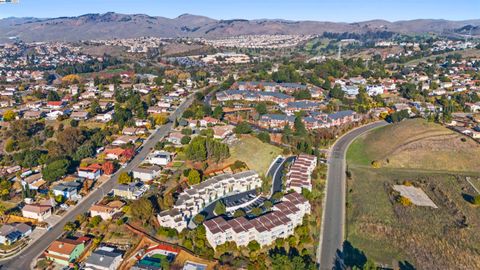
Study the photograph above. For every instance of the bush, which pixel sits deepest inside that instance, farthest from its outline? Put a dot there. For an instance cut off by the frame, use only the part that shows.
(376, 164)
(404, 201)
(476, 200)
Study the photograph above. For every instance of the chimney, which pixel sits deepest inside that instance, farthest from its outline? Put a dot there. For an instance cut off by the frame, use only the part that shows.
(101, 258)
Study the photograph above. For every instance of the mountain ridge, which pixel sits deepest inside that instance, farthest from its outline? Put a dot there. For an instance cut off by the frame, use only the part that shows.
(117, 25)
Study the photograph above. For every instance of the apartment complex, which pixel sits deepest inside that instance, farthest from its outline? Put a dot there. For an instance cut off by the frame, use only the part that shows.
(279, 223)
(300, 173)
(191, 201)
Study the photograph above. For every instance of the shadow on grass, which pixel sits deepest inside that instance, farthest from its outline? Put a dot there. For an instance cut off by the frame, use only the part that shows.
(467, 197)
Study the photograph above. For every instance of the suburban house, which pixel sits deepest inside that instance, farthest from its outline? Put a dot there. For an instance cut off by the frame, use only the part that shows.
(79, 115)
(221, 132)
(265, 229)
(106, 211)
(104, 117)
(11, 233)
(92, 171)
(104, 258)
(191, 201)
(146, 173)
(37, 211)
(124, 140)
(175, 138)
(132, 191)
(34, 181)
(69, 190)
(33, 114)
(114, 153)
(133, 131)
(64, 251)
(161, 158)
(55, 104)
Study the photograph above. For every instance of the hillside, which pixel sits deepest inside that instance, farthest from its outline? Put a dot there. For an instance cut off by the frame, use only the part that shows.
(435, 160)
(114, 25)
(417, 144)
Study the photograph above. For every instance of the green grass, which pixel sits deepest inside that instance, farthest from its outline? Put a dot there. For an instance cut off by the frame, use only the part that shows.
(257, 154)
(356, 153)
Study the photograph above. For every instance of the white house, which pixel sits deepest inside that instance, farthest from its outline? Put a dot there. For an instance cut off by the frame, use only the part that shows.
(161, 158)
(38, 211)
(146, 173)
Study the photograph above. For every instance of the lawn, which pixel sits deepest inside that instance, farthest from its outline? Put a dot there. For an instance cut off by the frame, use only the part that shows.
(257, 154)
(426, 155)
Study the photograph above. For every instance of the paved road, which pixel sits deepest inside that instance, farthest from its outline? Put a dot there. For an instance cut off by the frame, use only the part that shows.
(276, 172)
(25, 258)
(333, 221)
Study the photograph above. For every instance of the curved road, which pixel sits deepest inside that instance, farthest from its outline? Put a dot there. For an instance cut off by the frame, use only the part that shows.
(333, 220)
(25, 258)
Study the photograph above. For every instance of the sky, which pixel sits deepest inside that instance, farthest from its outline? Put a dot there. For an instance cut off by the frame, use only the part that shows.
(318, 10)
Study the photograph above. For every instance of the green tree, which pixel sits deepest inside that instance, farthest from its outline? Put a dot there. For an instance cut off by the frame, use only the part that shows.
(253, 246)
(55, 170)
(125, 178)
(261, 108)
(264, 137)
(299, 126)
(257, 211)
(185, 140)
(9, 115)
(95, 107)
(193, 177)
(220, 208)
(243, 128)
(218, 113)
(198, 219)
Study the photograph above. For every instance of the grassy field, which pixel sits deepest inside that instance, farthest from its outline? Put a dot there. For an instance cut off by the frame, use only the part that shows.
(427, 155)
(257, 154)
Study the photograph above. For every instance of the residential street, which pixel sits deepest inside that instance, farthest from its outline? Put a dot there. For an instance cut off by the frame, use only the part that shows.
(333, 221)
(25, 258)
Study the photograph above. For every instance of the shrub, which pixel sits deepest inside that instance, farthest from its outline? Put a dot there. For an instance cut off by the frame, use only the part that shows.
(376, 164)
(407, 183)
(404, 201)
(476, 200)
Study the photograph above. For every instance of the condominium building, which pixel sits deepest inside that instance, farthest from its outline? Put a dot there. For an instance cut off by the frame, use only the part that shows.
(191, 201)
(300, 174)
(265, 229)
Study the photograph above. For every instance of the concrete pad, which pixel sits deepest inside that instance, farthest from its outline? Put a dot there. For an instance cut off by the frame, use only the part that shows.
(416, 195)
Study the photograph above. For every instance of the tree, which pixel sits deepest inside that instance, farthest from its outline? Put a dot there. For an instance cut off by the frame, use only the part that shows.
(239, 213)
(125, 178)
(95, 107)
(257, 211)
(9, 115)
(299, 126)
(55, 170)
(198, 219)
(141, 209)
(74, 123)
(218, 113)
(261, 108)
(53, 96)
(95, 221)
(264, 137)
(220, 208)
(243, 128)
(187, 131)
(253, 246)
(108, 168)
(160, 119)
(185, 140)
(193, 177)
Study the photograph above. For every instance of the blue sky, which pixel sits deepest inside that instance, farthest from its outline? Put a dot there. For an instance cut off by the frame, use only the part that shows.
(320, 10)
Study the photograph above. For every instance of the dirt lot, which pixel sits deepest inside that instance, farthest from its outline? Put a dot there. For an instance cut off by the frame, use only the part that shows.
(426, 156)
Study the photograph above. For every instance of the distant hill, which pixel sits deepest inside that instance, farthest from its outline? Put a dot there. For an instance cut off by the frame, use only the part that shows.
(115, 25)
